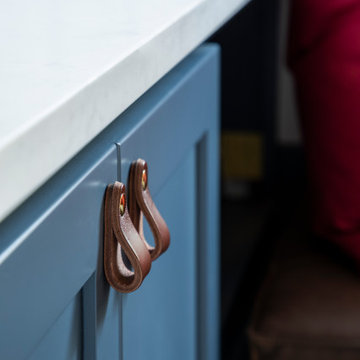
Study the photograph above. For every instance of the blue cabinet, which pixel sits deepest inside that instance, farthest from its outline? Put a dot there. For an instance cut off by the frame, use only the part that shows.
(55, 302)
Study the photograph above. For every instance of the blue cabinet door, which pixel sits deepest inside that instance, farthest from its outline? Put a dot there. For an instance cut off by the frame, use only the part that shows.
(55, 302)
(174, 313)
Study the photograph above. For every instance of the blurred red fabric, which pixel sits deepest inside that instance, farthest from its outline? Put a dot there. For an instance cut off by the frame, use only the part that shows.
(324, 55)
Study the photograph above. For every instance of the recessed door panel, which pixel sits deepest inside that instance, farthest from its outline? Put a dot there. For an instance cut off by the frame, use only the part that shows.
(159, 320)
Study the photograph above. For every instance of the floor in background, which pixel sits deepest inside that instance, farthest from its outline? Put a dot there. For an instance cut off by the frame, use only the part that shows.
(249, 228)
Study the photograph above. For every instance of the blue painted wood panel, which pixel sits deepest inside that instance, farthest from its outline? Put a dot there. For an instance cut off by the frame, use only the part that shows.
(48, 263)
(63, 341)
(54, 296)
(185, 119)
(159, 320)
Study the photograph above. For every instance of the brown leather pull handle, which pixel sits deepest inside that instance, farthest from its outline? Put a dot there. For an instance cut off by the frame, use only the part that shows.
(140, 202)
(120, 236)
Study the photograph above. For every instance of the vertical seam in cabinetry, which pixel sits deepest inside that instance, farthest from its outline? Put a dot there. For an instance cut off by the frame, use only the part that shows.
(200, 248)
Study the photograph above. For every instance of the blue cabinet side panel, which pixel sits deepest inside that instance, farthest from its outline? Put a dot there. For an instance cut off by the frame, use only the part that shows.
(48, 264)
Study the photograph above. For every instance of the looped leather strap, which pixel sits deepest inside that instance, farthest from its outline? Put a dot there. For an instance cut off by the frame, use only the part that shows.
(140, 202)
(121, 235)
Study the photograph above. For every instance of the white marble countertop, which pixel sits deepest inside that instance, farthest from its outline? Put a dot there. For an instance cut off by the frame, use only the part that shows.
(68, 68)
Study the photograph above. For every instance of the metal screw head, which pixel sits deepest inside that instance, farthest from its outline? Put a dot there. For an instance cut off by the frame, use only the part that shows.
(144, 179)
(122, 204)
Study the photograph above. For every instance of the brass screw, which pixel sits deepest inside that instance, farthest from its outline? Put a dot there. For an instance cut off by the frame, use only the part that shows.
(144, 179)
(122, 204)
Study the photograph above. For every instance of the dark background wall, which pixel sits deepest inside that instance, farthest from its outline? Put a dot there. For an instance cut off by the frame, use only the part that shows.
(250, 73)
(253, 222)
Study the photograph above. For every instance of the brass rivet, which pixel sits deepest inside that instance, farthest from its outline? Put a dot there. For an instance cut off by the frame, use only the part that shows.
(122, 204)
(144, 179)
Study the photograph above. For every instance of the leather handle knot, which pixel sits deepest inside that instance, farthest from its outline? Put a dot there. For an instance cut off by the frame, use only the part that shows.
(120, 236)
(141, 203)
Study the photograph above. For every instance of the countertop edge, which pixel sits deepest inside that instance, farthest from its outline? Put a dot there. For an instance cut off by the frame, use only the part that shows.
(95, 106)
